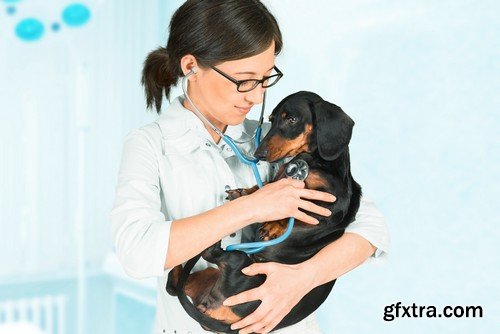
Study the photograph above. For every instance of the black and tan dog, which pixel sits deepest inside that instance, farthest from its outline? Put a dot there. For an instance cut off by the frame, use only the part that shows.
(304, 126)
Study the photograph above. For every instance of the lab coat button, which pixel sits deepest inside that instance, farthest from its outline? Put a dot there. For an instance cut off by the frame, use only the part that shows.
(208, 144)
(228, 149)
(227, 187)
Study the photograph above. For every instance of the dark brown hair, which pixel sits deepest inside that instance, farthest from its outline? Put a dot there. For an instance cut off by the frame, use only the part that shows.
(213, 31)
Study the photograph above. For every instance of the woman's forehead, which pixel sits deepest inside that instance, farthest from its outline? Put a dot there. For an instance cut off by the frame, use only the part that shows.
(258, 64)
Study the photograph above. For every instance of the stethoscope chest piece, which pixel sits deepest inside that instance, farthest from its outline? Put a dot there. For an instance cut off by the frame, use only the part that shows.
(297, 169)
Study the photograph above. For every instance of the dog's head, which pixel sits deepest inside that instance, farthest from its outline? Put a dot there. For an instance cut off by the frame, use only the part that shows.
(304, 122)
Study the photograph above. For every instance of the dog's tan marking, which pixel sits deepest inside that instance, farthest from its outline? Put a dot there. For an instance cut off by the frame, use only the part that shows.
(273, 230)
(280, 147)
(224, 314)
(200, 281)
(316, 181)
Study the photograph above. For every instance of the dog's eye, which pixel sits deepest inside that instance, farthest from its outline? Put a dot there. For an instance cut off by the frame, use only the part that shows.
(291, 119)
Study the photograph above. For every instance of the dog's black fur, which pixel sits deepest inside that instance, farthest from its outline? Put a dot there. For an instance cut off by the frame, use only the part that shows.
(303, 126)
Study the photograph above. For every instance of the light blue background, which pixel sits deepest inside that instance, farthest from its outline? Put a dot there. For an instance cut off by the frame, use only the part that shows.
(420, 79)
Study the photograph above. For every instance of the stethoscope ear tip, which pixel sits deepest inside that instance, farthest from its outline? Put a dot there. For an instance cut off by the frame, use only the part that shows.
(193, 70)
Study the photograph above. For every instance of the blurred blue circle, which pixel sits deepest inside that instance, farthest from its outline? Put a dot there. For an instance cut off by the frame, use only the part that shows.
(11, 10)
(76, 15)
(30, 29)
(11, 1)
(56, 26)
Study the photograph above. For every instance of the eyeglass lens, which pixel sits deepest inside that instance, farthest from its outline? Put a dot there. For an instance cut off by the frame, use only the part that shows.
(248, 85)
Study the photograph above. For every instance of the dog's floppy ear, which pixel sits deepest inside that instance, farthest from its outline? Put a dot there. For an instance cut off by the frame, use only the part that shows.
(333, 129)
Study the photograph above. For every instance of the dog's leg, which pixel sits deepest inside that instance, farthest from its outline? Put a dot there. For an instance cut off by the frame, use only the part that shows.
(272, 230)
(231, 281)
(233, 194)
(173, 278)
(237, 193)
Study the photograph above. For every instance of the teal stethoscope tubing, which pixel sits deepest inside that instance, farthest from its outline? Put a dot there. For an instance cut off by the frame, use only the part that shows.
(248, 247)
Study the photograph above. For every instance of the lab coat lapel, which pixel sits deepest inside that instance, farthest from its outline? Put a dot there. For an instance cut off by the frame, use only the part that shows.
(183, 132)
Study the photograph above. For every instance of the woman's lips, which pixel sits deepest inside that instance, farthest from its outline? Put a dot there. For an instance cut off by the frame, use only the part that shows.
(243, 110)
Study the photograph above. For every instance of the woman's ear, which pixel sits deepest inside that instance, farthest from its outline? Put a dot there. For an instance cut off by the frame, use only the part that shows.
(188, 64)
(333, 129)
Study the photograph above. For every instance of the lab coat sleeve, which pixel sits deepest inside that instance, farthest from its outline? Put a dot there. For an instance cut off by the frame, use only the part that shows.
(139, 229)
(371, 225)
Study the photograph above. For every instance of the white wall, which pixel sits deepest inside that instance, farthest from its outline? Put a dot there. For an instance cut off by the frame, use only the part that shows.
(77, 82)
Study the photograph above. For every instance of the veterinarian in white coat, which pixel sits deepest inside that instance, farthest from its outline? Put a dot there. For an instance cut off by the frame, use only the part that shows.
(170, 196)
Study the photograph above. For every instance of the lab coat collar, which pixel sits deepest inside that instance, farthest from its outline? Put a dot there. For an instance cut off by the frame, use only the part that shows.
(183, 131)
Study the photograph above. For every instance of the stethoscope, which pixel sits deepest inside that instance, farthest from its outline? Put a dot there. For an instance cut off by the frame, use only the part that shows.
(296, 169)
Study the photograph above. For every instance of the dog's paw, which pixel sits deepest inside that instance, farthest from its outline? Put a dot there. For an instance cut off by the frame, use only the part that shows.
(272, 230)
(233, 194)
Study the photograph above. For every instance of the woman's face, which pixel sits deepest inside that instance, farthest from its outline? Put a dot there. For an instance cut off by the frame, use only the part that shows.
(218, 98)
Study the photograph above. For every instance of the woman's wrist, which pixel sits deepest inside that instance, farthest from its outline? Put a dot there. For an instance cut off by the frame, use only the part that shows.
(246, 211)
(319, 274)
(337, 258)
(311, 273)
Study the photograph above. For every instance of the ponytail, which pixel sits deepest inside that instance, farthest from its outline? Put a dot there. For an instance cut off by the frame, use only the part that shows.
(158, 75)
(213, 31)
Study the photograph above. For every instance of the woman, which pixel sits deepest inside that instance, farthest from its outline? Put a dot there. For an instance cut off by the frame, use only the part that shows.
(170, 198)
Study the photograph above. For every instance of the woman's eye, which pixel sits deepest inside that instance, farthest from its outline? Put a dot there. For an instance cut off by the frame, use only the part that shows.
(291, 119)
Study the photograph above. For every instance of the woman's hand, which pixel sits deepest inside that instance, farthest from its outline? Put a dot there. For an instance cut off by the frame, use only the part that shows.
(283, 198)
(284, 287)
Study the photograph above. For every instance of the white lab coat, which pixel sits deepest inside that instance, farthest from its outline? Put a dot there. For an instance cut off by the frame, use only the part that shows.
(171, 169)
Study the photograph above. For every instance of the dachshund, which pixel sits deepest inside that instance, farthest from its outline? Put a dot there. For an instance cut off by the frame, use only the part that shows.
(303, 126)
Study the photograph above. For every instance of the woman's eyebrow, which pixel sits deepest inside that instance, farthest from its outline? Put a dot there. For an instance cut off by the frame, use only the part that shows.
(253, 73)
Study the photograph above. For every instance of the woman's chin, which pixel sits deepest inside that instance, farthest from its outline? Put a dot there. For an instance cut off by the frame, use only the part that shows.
(236, 120)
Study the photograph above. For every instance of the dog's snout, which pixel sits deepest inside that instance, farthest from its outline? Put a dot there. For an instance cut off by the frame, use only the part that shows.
(261, 153)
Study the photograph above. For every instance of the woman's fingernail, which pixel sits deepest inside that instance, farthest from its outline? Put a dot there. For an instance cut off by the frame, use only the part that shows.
(245, 270)
(226, 302)
(334, 198)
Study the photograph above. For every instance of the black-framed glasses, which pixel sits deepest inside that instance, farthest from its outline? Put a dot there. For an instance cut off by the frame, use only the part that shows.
(247, 85)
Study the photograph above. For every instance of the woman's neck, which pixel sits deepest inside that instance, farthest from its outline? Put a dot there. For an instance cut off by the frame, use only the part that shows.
(221, 126)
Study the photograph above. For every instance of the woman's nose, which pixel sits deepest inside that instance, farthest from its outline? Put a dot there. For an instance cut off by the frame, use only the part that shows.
(256, 95)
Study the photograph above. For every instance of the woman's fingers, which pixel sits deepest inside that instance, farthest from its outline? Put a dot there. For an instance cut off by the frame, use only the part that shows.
(294, 182)
(317, 195)
(310, 194)
(303, 217)
(242, 297)
(311, 207)
(293, 196)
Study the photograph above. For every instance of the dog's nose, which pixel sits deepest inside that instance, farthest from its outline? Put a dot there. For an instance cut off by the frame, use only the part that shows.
(261, 153)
